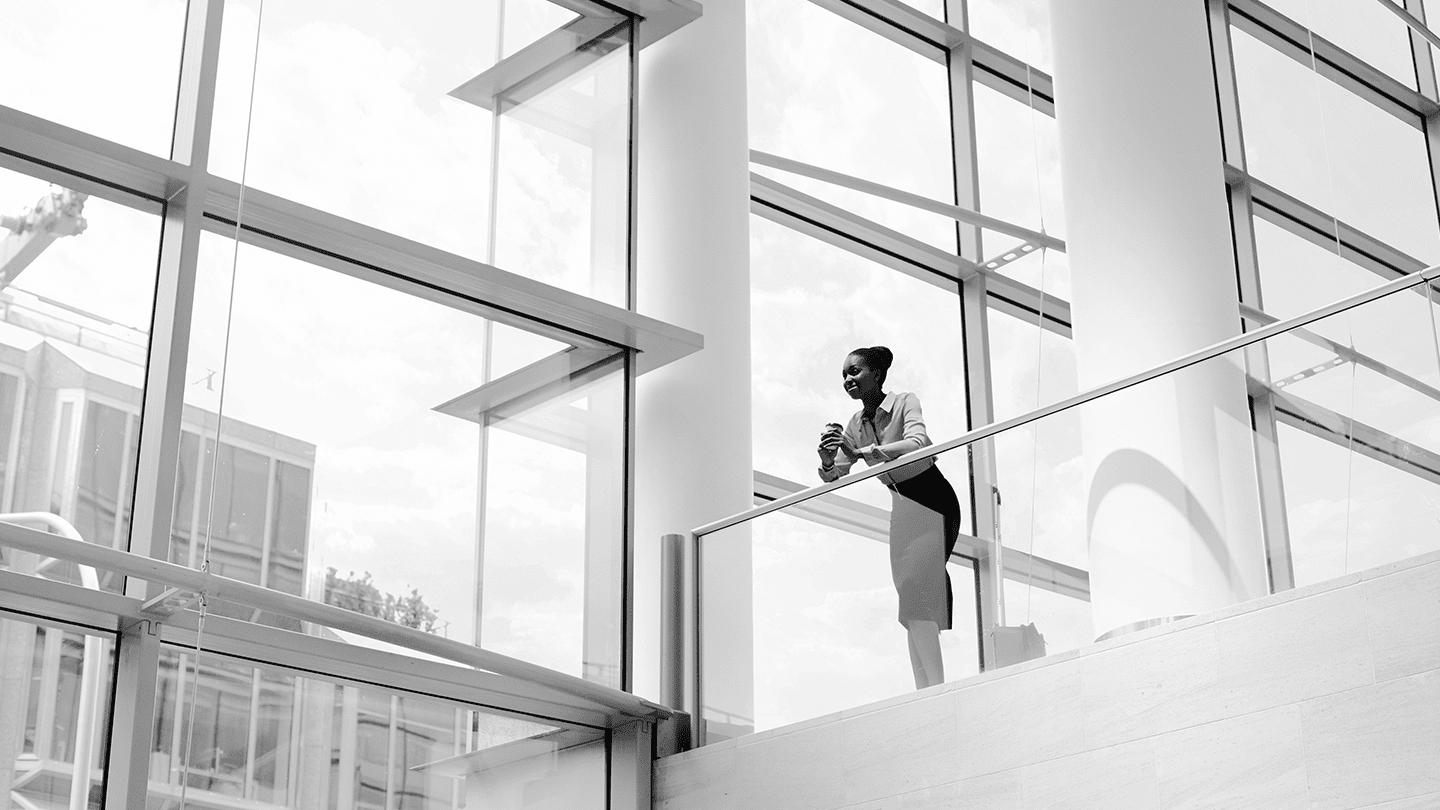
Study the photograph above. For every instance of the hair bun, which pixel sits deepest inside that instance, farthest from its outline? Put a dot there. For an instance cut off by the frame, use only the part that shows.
(878, 358)
(882, 356)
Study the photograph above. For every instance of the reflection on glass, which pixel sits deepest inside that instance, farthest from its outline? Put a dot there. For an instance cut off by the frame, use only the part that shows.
(77, 285)
(1361, 27)
(512, 150)
(811, 304)
(814, 98)
(1318, 141)
(108, 69)
(55, 710)
(414, 462)
(269, 737)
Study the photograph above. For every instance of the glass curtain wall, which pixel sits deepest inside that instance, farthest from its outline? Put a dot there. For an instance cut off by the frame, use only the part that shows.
(347, 318)
(934, 158)
(912, 203)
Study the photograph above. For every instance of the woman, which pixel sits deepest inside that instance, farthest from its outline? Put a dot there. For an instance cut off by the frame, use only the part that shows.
(924, 513)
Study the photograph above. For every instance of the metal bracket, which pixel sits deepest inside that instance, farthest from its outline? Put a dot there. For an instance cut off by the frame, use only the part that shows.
(1310, 372)
(1014, 254)
(169, 602)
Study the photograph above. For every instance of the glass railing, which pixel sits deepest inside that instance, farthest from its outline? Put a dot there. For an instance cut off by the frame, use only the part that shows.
(1297, 452)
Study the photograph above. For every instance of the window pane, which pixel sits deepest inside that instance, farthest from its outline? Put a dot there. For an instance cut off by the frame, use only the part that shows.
(1349, 511)
(824, 615)
(1361, 27)
(558, 155)
(75, 311)
(1039, 466)
(109, 69)
(1019, 158)
(553, 530)
(262, 735)
(369, 456)
(814, 97)
(59, 717)
(1315, 140)
(1020, 28)
(811, 304)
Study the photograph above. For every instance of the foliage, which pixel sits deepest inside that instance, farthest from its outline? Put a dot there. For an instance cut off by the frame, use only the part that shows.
(361, 596)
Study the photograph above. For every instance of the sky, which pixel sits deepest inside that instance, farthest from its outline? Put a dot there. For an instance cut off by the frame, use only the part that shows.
(350, 114)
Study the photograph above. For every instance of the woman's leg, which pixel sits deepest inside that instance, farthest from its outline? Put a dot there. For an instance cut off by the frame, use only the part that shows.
(925, 657)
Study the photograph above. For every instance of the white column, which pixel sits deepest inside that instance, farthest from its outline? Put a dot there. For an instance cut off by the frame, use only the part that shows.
(1172, 506)
(693, 440)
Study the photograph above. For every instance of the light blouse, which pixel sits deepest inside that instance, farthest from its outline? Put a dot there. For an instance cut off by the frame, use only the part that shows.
(898, 428)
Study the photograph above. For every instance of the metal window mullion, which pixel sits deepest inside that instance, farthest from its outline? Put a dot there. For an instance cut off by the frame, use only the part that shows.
(45, 710)
(1429, 87)
(1269, 478)
(267, 534)
(974, 321)
(252, 735)
(138, 654)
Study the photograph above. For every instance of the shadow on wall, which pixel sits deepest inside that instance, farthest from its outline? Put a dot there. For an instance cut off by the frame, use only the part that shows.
(1130, 466)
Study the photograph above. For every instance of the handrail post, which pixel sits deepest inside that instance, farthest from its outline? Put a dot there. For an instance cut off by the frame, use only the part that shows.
(679, 671)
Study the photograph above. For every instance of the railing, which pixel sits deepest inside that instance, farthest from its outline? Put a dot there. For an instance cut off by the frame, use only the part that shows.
(1347, 396)
(215, 587)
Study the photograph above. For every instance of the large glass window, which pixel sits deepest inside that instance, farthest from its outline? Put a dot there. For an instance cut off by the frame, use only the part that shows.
(812, 303)
(1334, 150)
(108, 69)
(415, 461)
(411, 123)
(815, 97)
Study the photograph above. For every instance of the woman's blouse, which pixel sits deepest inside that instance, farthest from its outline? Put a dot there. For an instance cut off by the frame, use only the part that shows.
(898, 428)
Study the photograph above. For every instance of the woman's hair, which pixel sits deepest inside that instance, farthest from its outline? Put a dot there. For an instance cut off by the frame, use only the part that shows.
(878, 358)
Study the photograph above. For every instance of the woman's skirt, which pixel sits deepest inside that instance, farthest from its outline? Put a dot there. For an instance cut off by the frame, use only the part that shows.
(924, 525)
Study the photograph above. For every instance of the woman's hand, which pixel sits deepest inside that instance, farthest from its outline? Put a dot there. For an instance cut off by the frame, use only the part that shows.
(832, 438)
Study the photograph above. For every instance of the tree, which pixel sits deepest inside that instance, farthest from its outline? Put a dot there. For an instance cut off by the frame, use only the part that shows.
(361, 596)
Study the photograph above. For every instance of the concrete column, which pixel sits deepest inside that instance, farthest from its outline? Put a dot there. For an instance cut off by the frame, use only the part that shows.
(693, 459)
(1172, 505)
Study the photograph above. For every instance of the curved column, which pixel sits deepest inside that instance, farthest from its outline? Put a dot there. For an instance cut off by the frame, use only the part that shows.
(1172, 505)
(693, 451)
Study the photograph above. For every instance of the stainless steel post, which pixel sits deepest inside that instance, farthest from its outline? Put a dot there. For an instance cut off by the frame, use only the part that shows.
(679, 676)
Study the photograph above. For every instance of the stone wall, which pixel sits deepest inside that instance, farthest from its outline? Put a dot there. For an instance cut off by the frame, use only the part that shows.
(1324, 697)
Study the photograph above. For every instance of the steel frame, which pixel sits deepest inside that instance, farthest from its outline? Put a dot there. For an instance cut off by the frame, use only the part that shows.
(190, 200)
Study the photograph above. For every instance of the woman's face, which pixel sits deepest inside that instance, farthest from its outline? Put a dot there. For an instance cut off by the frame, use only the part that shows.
(859, 379)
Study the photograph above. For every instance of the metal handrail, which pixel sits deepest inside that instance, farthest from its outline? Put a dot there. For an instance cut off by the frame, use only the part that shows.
(94, 650)
(214, 586)
(1184, 361)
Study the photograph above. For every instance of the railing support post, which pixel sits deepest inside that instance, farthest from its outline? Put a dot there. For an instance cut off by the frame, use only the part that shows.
(679, 622)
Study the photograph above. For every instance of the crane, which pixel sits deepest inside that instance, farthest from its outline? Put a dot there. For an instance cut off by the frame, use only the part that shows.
(59, 213)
